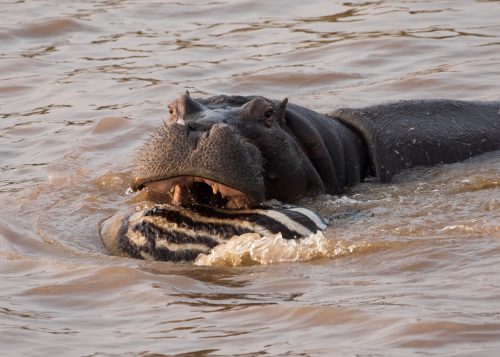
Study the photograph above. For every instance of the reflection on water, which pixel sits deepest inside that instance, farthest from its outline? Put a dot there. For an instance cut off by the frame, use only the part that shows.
(408, 267)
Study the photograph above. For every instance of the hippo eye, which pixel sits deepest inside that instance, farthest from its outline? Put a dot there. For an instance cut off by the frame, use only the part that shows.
(269, 113)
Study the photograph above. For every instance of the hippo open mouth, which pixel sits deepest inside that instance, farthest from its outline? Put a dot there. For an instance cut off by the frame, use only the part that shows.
(185, 190)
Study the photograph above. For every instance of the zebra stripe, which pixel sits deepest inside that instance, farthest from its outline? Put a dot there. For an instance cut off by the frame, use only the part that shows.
(194, 221)
(171, 233)
(290, 224)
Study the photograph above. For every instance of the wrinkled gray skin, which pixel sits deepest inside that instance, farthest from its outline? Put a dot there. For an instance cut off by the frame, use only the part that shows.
(268, 149)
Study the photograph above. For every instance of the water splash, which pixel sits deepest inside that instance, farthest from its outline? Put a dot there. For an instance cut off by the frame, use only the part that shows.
(253, 249)
(129, 191)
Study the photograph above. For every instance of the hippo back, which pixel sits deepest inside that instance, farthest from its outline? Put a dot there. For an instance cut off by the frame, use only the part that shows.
(424, 132)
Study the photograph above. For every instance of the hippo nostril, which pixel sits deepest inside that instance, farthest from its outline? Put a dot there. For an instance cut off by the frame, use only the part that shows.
(198, 126)
(217, 128)
(192, 125)
(219, 125)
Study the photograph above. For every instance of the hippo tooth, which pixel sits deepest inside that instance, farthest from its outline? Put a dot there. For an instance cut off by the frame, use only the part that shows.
(177, 194)
(227, 192)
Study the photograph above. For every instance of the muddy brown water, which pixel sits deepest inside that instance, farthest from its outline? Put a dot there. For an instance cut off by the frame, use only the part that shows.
(411, 267)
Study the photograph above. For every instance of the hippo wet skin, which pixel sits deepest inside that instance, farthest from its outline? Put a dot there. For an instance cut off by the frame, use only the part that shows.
(235, 152)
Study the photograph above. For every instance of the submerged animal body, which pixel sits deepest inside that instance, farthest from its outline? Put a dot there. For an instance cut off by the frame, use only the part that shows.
(168, 233)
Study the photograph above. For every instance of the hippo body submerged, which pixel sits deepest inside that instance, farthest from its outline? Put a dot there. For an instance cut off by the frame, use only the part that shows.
(235, 152)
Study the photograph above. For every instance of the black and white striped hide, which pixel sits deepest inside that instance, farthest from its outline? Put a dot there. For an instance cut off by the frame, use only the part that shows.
(168, 233)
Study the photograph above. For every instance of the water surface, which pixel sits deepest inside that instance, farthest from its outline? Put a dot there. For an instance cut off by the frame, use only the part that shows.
(410, 267)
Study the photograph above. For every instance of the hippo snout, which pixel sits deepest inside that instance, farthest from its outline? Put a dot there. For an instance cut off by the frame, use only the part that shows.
(192, 163)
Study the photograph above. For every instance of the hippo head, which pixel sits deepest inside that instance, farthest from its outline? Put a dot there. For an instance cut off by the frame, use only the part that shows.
(225, 151)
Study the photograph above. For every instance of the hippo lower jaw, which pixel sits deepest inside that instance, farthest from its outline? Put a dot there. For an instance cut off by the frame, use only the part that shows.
(185, 190)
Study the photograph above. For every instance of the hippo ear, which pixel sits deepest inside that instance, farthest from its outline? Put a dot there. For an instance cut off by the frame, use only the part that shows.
(282, 112)
(189, 105)
(187, 93)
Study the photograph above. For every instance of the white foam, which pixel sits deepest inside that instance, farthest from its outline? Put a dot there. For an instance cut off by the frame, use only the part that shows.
(252, 249)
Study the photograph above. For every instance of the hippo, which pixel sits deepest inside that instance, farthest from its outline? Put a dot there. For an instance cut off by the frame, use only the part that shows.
(237, 152)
